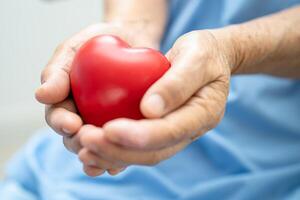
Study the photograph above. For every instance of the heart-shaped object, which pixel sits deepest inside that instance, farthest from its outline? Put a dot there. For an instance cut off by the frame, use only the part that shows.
(109, 78)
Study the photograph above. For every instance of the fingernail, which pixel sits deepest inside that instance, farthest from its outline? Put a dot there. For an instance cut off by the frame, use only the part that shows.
(65, 130)
(156, 103)
(39, 92)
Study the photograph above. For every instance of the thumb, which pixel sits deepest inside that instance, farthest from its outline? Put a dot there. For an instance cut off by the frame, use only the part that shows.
(176, 86)
(55, 77)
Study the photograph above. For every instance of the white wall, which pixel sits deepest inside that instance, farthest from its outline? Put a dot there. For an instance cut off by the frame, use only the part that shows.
(29, 32)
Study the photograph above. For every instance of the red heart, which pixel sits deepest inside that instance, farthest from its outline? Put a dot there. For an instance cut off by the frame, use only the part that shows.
(109, 78)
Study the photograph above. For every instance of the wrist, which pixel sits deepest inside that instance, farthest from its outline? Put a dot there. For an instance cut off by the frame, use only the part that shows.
(141, 32)
(258, 46)
(244, 47)
(227, 44)
(144, 18)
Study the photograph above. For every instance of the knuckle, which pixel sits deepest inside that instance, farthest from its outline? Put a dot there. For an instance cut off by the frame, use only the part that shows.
(173, 53)
(190, 36)
(44, 74)
(60, 47)
(193, 36)
(192, 39)
(67, 48)
(174, 135)
(174, 131)
(189, 42)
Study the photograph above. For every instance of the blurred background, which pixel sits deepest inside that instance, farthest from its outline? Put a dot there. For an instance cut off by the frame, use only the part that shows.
(29, 31)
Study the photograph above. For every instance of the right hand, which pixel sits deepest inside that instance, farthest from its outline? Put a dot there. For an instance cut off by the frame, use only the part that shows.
(61, 114)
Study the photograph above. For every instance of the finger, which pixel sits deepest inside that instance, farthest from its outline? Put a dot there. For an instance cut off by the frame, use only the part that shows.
(90, 159)
(114, 172)
(200, 114)
(178, 84)
(93, 171)
(88, 133)
(55, 77)
(62, 118)
(73, 142)
(95, 142)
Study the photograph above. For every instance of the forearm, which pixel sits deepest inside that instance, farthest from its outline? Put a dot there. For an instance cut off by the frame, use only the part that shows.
(268, 45)
(147, 17)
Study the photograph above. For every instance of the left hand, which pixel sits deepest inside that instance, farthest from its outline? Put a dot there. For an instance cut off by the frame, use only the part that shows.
(61, 113)
(185, 103)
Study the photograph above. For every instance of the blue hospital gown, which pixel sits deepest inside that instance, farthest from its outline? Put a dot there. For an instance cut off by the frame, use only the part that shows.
(253, 154)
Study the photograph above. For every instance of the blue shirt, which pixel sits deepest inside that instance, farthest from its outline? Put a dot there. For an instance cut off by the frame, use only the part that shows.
(253, 154)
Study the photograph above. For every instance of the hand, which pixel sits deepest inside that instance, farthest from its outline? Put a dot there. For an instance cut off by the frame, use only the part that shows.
(61, 114)
(185, 103)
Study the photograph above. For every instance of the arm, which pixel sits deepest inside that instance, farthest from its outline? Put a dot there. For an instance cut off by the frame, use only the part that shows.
(148, 16)
(269, 45)
(191, 96)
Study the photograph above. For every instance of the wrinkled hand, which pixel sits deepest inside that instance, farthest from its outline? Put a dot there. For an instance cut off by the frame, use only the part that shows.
(61, 114)
(185, 103)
